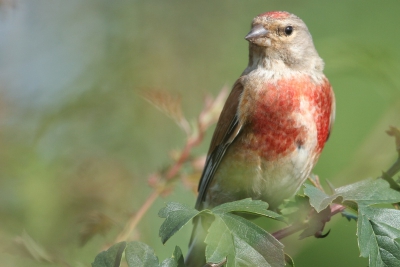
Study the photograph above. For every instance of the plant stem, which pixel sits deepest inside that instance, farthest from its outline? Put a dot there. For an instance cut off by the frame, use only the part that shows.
(394, 169)
(291, 229)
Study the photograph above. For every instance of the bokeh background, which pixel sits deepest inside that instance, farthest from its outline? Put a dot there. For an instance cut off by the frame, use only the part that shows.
(77, 142)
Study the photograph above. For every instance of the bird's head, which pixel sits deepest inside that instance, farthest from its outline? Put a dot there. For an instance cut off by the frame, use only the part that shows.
(281, 36)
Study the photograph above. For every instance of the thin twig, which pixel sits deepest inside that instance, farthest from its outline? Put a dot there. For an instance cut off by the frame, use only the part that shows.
(291, 229)
(204, 121)
(185, 155)
(395, 168)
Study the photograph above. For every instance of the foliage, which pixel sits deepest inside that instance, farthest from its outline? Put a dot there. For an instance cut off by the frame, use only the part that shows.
(233, 240)
(137, 254)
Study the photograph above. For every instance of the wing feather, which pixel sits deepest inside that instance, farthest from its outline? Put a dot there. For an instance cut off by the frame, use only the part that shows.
(228, 127)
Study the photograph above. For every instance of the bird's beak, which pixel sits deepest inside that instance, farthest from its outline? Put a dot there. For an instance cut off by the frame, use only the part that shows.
(256, 32)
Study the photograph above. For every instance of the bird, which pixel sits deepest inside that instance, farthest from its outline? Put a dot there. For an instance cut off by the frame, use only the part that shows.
(273, 126)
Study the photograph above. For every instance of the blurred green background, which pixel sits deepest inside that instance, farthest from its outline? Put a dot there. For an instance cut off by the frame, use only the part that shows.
(77, 140)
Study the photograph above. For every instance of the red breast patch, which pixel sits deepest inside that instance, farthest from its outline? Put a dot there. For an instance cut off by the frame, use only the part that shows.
(275, 130)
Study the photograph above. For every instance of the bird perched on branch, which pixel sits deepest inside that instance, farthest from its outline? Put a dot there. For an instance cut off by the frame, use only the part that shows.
(273, 126)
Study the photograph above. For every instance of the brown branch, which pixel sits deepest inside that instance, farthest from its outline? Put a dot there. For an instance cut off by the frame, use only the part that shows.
(161, 182)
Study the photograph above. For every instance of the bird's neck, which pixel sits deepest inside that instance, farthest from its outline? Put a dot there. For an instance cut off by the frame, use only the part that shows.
(261, 58)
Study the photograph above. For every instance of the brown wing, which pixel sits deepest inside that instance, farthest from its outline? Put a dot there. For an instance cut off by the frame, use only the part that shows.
(227, 129)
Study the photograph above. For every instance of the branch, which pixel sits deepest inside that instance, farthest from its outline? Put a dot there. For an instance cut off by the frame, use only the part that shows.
(161, 182)
(395, 168)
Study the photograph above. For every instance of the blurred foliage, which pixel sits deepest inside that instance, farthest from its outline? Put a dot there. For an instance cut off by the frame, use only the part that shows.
(78, 141)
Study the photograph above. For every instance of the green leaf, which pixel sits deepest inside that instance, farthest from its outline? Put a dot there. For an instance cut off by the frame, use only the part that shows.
(111, 257)
(219, 241)
(367, 192)
(176, 260)
(169, 262)
(247, 206)
(379, 236)
(289, 261)
(318, 199)
(177, 215)
(141, 255)
(178, 257)
(138, 254)
(296, 209)
(242, 242)
(246, 255)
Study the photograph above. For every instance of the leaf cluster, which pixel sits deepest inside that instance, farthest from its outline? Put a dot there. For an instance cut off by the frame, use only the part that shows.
(137, 254)
(233, 240)
(378, 228)
(230, 238)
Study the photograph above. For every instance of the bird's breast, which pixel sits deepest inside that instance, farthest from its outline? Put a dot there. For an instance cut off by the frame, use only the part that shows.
(286, 115)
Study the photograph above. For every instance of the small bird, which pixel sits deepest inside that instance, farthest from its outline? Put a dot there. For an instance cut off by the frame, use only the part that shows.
(274, 123)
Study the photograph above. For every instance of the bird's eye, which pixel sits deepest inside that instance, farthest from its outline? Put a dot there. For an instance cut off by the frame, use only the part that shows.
(288, 30)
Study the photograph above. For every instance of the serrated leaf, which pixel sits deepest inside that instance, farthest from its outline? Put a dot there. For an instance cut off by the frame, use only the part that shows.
(387, 238)
(256, 207)
(242, 242)
(379, 235)
(177, 215)
(138, 254)
(366, 192)
(111, 257)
